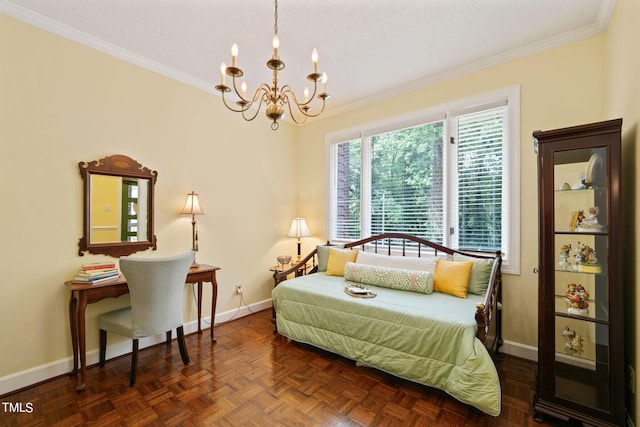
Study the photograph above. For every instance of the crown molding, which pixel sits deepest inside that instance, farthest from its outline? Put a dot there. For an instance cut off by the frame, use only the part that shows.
(553, 42)
(600, 26)
(83, 38)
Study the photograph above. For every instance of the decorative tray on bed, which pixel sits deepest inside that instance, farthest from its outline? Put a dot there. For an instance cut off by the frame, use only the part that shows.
(359, 291)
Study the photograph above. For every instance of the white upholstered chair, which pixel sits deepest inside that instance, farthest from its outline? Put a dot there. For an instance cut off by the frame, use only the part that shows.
(156, 289)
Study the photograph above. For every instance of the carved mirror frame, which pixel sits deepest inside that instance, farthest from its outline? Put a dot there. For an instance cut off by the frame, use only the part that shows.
(125, 167)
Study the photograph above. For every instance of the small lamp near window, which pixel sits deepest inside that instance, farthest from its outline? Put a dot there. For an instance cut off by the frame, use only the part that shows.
(192, 207)
(299, 229)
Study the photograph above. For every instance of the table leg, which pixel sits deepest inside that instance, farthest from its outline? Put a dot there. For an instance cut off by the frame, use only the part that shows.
(81, 305)
(214, 299)
(199, 307)
(73, 307)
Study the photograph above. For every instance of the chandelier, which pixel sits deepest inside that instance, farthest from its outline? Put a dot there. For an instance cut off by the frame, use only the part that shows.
(277, 98)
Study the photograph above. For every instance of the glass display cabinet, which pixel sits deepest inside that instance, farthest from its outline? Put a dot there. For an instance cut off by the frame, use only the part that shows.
(580, 320)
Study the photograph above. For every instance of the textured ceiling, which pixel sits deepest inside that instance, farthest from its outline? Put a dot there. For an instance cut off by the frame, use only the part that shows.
(370, 49)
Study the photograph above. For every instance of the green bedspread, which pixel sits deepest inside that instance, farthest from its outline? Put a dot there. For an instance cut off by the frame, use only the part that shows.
(429, 339)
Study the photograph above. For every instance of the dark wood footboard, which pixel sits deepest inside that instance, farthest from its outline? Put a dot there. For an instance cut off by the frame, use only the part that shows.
(485, 312)
(400, 244)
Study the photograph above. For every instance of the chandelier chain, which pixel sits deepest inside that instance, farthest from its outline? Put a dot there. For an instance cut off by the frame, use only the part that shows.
(275, 19)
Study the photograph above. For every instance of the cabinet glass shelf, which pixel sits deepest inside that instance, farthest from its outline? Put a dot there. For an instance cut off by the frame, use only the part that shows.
(583, 233)
(588, 273)
(583, 357)
(596, 311)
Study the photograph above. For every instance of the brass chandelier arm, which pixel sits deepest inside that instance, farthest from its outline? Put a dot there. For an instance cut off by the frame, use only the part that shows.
(235, 110)
(256, 95)
(303, 108)
(286, 90)
(293, 116)
(257, 110)
(245, 106)
(305, 114)
(261, 94)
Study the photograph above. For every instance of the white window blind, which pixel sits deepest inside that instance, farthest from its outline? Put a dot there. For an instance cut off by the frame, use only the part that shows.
(346, 224)
(480, 157)
(407, 181)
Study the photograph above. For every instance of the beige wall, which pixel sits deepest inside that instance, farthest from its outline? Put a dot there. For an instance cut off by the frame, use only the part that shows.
(561, 87)
(62, 103)
(623, 100)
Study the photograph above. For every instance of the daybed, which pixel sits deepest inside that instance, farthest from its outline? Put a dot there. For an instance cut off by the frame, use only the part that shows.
(403, 327)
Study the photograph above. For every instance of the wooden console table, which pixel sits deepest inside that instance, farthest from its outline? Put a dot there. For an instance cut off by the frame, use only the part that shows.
(83, 294)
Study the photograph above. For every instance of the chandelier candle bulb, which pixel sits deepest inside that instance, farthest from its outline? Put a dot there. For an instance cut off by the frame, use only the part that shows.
(223, 69)
(324, 82)
(314, 59)
(234, 55)
(276, 45)
(243, 86)
(306, 94)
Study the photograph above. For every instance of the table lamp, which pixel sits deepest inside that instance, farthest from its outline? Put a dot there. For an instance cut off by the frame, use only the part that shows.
(192, 207)
(299, 229)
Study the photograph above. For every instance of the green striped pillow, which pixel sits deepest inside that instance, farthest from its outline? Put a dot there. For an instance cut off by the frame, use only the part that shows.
(387, 277)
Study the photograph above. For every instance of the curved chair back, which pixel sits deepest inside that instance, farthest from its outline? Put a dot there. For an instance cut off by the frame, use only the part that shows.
(156, 288)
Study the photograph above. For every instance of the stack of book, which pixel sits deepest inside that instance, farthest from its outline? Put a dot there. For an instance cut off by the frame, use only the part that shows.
(97, 272)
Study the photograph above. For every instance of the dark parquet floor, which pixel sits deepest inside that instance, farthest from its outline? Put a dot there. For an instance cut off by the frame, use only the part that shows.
(253, 377)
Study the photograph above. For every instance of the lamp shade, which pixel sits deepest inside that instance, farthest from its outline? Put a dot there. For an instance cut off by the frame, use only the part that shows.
(299, 228)
(192, 205)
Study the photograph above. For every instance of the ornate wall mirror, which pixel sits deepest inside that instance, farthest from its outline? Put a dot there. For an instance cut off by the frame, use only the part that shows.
(118, 206)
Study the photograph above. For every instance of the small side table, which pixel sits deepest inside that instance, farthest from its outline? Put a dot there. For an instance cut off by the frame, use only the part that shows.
(304, 269)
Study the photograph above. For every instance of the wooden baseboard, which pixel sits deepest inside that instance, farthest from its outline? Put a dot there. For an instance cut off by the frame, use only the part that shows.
(37, 374)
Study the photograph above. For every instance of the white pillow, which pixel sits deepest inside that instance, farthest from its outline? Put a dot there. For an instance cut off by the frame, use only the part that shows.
(424, 263)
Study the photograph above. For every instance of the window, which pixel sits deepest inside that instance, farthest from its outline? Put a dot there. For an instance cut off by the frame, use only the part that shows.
(480, 188)
(445, 175)
(129, 217)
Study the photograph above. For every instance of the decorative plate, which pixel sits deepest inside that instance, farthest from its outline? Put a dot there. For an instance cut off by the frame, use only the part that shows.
(359, 292)
(595, 171)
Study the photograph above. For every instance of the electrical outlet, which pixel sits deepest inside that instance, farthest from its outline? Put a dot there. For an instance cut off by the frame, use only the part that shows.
(239, 289)
(632, 378)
